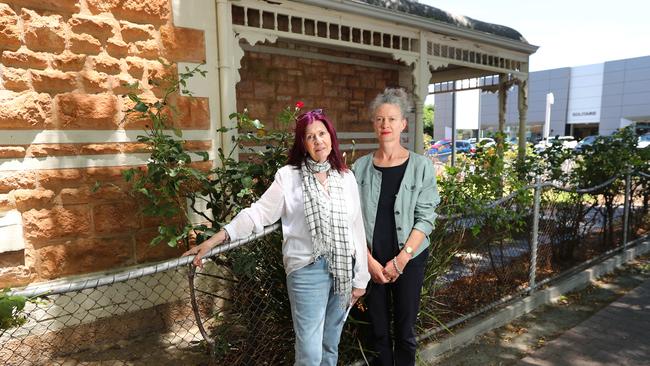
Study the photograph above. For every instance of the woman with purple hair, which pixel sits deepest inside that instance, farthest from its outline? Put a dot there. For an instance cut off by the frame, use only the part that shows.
(324, 250)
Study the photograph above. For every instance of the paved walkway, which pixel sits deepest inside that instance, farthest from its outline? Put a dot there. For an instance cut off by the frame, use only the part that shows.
(617, 335)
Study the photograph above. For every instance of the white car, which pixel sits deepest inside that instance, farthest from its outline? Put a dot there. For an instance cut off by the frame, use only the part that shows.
(644, 141)
(483, 141)
(568, 142)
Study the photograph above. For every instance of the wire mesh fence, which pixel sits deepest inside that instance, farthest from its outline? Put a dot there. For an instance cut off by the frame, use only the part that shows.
(235, 311)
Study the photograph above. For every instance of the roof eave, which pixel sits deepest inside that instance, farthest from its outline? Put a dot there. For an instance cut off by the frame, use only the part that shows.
(351, 6)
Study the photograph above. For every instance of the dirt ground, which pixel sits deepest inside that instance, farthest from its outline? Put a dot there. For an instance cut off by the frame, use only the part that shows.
(512, 342)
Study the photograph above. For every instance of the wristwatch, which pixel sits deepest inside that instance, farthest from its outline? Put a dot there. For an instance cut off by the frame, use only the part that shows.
(408, 250)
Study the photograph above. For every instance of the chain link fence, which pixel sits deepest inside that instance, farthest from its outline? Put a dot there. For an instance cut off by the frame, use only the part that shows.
(235, 311)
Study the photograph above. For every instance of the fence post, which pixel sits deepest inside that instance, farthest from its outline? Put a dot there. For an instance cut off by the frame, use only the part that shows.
(533, 245)
(626, 207)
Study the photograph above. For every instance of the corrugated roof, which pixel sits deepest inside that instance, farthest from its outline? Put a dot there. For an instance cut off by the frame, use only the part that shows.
(413, 7)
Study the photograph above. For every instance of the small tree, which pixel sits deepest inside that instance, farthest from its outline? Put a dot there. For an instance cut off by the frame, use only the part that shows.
(427, 118)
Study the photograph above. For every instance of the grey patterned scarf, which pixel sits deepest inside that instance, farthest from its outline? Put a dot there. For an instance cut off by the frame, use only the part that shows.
(327, 220)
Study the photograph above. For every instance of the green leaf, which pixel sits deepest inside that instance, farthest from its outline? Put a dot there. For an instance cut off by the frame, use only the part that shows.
(204, 155)
(141, 107)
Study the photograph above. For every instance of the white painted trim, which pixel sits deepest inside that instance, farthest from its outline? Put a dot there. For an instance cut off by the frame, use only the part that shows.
(202, 14)
(27, 137)
(330, 16)
(413, 22)
(80, 161)
(11, 231)
(248, 32)
(319, 56)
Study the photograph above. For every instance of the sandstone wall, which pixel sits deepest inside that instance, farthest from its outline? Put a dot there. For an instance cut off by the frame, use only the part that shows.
(342, 83)
(63, 66)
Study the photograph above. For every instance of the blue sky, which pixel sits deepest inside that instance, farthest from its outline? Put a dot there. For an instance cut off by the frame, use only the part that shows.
(569, 32)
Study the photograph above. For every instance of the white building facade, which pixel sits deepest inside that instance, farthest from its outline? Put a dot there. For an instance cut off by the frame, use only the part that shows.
(588, 100)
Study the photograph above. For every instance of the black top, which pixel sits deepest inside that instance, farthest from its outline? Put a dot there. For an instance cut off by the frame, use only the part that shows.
(384, 239)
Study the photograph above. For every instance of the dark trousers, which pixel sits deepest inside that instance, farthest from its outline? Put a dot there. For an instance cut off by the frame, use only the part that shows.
(397, 303)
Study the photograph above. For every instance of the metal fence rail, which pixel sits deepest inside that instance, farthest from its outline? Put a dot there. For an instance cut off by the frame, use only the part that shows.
(235, 311)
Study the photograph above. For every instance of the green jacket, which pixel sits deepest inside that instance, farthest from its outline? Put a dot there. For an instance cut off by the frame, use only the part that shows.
(415, 203)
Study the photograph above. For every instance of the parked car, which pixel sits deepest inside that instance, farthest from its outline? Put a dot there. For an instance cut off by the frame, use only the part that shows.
(443, 147)
(568, 142)
(483, 141)
(587, 141)
(644, 141)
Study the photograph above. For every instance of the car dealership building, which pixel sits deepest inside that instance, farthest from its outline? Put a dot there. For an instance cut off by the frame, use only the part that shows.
(587, 100)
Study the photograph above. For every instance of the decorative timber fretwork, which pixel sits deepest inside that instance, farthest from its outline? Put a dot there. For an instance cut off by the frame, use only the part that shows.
(297, 22)
(292, 20)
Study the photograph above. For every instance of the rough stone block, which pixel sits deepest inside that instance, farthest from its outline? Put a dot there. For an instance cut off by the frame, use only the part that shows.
(98, 149)
(85, 44)
(15, 79)
(194, 113)
(9, 28)
(43, 150)
(135, 66)
(145, 12)
(80, 111)
(53, 81)
(43, 33)
(25, 59)
(145, 49)
(16, 180)
(115, 217)
(183, 44)
(117, 48)
(7, 202)
(102, 6)
(27, 199)
(15, 276)
(68, 61)
(83, 256)
(58, 178)
(98, 27)
(133, 120)
(110, 193)
(58, 222)
(56, 6)
(26, 110)
(123, 84)
(106, 63)
(10, 152)
(12, 259)
(132, 32)
(105, 174)
(95, 82)
(74, 196)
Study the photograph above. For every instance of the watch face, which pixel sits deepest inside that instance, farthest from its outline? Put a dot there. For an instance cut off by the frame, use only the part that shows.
(409, 250)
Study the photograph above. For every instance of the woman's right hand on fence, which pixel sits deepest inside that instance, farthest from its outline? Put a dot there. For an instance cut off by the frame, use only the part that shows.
(376, 271)
(200, 250)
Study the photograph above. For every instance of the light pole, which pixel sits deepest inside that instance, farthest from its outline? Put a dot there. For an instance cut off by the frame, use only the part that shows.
(547, 120)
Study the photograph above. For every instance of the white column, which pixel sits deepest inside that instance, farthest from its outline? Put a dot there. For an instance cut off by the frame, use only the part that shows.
(227, 78)
(422, 76)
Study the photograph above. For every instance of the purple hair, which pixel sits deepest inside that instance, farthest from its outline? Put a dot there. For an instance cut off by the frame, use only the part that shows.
(298, 154)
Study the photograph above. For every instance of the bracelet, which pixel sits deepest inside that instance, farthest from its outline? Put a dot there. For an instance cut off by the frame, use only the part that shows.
(226, 239)
(396, 267)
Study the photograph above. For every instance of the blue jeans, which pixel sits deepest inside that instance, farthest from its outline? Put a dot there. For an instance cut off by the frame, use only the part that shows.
(317, 314)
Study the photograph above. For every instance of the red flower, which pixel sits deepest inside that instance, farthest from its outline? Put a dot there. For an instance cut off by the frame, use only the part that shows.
(299, 104)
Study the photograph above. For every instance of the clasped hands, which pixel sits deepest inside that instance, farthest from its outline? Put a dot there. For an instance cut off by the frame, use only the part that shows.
(387, 273)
